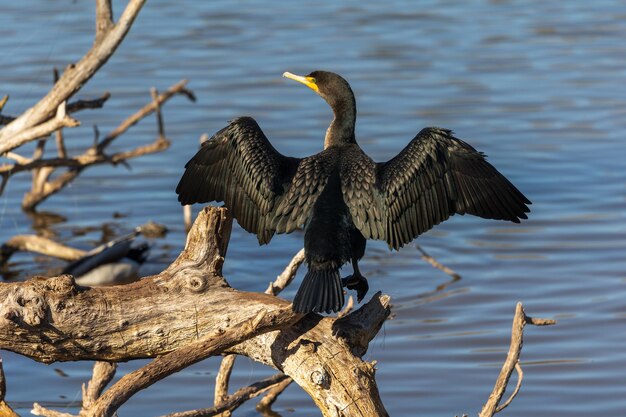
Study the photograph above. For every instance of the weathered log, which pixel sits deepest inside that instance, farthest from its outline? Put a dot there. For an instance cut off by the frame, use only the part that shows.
(56, 320)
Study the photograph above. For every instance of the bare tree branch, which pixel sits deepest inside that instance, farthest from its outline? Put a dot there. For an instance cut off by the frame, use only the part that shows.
(166, 365)
(35, 132)
(38, 410)
(43, 188)
(38, 244)
(104, 19)
(511, 363)
(178, 88)
(103, 373)
(272, 394)
(73, 78)
(222, 381)
(237, 399)
(72, 107)
(437, 264)
(287, 275)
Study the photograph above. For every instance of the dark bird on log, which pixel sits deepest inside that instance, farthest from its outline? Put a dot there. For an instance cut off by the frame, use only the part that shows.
(340, 196)
(113, 263)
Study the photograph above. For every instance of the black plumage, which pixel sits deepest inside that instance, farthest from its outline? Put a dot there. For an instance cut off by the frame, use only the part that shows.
(340, 196)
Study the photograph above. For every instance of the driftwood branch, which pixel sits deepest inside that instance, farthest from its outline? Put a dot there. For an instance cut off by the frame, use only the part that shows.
(189, 312)
(38, 244)
(493, 406)
(108, 38)
(211, 345)
(238, 398)
(436, 264)
(72, 107)
(43, 168)
(29, 134)
(45, 246)
(272, 394)
(103, 373)
(222, 381)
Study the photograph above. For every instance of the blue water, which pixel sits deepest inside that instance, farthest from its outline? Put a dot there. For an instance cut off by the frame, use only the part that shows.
(538, 86)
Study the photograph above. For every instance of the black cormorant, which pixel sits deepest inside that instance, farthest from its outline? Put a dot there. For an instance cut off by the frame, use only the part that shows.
(340, 196)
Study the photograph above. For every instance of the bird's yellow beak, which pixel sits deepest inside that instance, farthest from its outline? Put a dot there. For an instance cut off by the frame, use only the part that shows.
(308, 81)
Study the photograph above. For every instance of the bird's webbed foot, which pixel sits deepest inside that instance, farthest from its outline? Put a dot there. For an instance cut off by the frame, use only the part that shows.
(356, 282)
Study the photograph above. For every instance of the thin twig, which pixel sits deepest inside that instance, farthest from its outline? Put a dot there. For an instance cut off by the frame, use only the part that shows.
(437, 264)
(3, 101)
(288, 274)
(17, 158)
(272, 395)
(154, 93)
(178, 88)
(238, 398)
(222, 380)
(347, 309)
(520, 377)
(104, 19)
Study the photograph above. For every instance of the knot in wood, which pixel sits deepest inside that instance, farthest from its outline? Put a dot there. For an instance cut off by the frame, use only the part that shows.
(320, 378)
(24, 306)
(195, 281)
(65, 284)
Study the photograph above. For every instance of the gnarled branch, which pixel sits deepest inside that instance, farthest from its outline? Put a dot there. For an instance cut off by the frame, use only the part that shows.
(73, 78)
(190, 308)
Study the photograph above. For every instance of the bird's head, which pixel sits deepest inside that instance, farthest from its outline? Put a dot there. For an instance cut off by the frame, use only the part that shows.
(330, 86)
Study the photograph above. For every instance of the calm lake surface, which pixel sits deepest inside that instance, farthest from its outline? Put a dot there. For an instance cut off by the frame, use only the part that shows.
(538, 86)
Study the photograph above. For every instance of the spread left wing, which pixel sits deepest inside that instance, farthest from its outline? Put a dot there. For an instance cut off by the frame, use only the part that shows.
(266, 191)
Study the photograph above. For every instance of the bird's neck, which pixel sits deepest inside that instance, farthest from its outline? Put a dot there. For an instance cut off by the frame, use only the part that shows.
(341, 129)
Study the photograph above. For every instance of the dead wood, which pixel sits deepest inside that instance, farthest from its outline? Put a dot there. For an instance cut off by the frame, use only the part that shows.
(272, 394)
(436, 264)
(38, 244)
(72, 107)
(189, 312)
(238, 398)
(493, 406)
(108, 37)
(43, 169)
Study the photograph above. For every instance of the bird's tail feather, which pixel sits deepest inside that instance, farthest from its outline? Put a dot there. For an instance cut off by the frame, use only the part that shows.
(320, 291)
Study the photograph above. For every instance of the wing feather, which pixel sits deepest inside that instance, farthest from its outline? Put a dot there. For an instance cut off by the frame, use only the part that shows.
(266, 192)
(435, 176)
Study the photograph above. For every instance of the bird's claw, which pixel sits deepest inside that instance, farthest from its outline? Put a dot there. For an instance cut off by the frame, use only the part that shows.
(358, 283)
